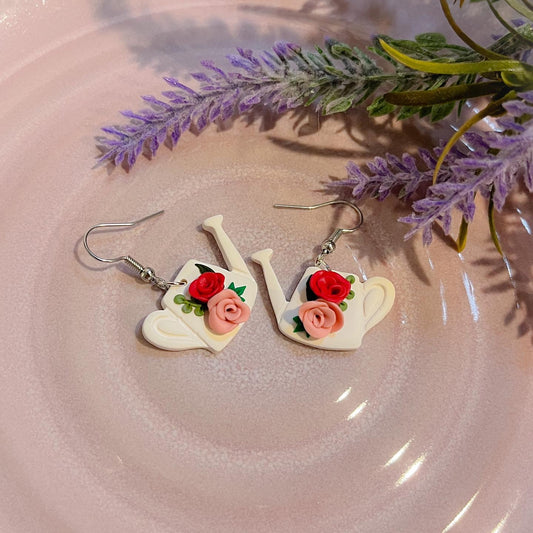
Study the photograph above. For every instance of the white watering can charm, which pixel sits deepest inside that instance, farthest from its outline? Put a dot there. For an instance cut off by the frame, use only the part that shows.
(328, 310)
(206, 305)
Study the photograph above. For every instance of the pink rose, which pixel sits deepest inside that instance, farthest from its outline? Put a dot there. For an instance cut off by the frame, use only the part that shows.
(320, 318)
(226, 311)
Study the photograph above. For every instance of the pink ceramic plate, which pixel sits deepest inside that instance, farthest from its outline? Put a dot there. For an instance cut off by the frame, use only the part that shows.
(427, 427)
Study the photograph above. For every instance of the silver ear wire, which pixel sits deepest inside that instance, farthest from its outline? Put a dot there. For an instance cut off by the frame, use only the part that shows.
(147, 274)
(328, 246)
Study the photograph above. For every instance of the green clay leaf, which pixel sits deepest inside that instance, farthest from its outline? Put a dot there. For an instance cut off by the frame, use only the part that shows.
(203, 268)
(343, 306)
(239, 290)
(179, 299)
(186, 307)
(299, 326)
(350, 295)
(198, 311)
(351, 279)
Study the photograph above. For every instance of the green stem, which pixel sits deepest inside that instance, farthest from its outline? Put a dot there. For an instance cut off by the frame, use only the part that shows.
(492, 225)
(444, 94)
(489, 54)
(488, 110)
(460, 243)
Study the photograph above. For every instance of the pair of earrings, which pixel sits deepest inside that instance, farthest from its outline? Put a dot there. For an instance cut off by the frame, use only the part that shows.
(206, 305)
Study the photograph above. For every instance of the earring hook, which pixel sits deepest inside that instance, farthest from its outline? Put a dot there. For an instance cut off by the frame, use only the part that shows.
(328, 246)
(147, 274)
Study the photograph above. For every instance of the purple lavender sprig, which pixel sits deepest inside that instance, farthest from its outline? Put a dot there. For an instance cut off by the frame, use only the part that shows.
(333, 78)
(497, 161)
(281, 79)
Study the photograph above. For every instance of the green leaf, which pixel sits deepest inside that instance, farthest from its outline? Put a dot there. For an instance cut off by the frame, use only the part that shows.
(466, 67)
(380, 107)
(425, 111)
(435, 41)
(340, 49)
(299, 326)
(443, 94)
(521, 81)
(338, 105)
(203, 268)
(238, 290)
(334, 71)
(350, 295)
(316, 59)
(350, 279)
(440, 111)
(186, 307)
(323, 56)
(179, 299)
(198, 311)
(371, 88)
(405, 45)
(408, 111)
(343, 306)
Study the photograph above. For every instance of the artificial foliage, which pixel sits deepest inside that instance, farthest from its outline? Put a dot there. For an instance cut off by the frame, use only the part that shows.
(427, 77)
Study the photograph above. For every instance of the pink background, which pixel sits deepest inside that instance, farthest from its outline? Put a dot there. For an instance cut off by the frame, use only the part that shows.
(427, 427)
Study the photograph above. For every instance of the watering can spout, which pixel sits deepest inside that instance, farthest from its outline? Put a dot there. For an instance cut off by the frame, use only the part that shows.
(275, 292)
(231, 255)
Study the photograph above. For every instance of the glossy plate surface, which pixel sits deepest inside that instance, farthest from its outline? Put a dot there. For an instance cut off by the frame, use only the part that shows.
(427, 427)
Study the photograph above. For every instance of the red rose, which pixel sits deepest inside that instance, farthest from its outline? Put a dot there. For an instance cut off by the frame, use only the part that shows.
(206, 286)
(329, 285)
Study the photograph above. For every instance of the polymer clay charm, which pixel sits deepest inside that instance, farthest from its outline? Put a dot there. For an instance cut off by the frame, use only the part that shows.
(329, 310)
(206, 305)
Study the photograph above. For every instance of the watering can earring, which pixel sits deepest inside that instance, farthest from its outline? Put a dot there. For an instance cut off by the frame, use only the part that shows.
(205, 306)
(328, 310)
